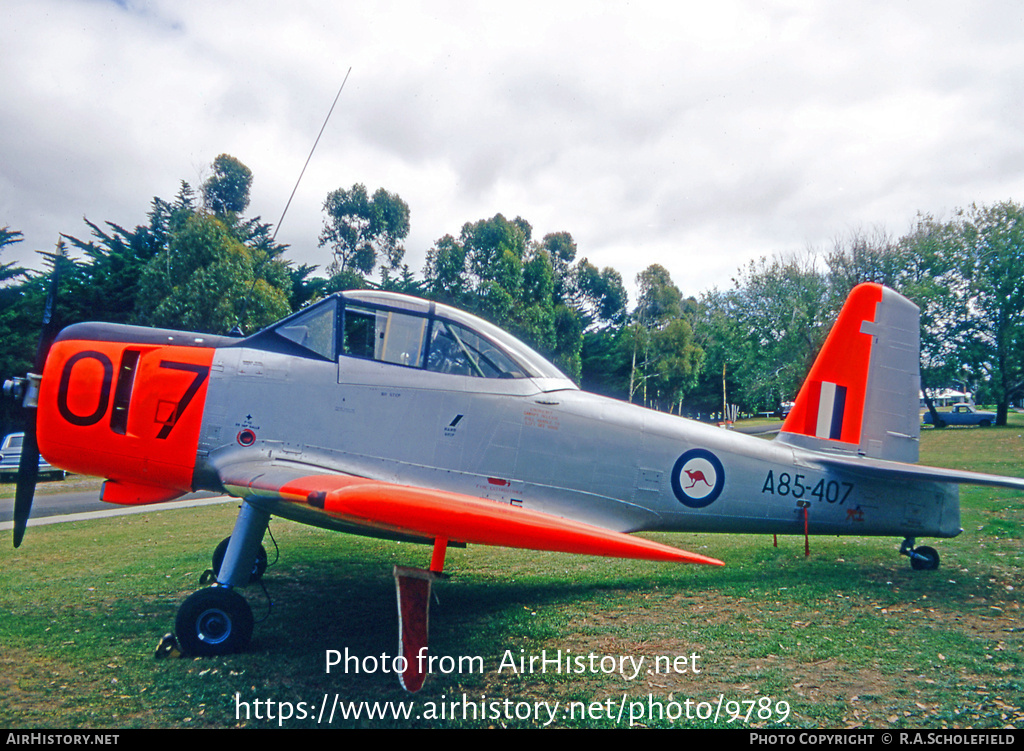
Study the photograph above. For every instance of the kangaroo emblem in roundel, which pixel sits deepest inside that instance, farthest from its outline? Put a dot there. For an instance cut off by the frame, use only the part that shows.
(697, 478)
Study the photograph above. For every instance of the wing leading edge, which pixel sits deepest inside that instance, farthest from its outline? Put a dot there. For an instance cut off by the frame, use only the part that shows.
(443, 515)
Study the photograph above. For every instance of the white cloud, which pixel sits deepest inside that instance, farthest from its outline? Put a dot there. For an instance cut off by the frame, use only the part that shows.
(694, 135)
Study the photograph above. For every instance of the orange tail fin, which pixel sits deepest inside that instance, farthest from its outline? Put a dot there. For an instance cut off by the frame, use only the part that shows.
(861, 395)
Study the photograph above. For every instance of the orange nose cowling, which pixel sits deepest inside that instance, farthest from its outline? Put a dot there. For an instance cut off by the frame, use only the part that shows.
(127, 412)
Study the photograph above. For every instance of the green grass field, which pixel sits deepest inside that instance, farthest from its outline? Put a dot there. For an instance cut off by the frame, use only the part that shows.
(849, 637)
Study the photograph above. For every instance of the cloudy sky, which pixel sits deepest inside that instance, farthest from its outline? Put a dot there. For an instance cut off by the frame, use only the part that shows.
(696, 135)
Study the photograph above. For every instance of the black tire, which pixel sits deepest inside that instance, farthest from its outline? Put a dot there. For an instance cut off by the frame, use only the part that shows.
(214, 621)
(259, 567)
(924, 558)
(984, 424)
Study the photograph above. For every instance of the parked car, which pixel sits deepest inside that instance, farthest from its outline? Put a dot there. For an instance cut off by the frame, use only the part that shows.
(10, 457)
(784, 409)
(963, 414)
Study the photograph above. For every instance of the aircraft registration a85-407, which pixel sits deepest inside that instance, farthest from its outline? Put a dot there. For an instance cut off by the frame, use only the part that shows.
(382, 414)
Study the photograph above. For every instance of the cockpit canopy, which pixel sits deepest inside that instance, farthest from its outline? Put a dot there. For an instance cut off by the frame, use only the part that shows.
(402, 330)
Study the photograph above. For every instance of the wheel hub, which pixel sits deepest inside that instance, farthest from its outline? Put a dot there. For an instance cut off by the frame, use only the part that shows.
(213, 626)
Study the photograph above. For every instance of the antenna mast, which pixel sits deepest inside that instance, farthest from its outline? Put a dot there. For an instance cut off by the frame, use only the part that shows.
(237, 330)
(322, 127)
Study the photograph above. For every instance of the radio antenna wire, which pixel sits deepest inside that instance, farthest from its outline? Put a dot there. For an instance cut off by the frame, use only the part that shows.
(322, 128)
(237, 330)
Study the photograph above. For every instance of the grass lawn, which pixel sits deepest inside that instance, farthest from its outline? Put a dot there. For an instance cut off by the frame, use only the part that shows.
(849, 637)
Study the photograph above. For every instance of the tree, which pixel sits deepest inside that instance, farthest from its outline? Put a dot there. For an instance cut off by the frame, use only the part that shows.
(445, 271)
(363, 231)
(105, 289)
(16, 354)
(864, 257)
(659, 298)
(965, 275)
(991, 239)
(21, 315)
(199, 267)
(677, 362)
(206, 280)
(119, 281)
(495, 250)
(561, 250)
(933, 279)
(599, 297)
(765, 333)
(664, 360)
(536, 314)
(720, 338)
(305, 287)
(9, 271)
(658, 303)
(606, 364)
(227, 191)
(483, 271)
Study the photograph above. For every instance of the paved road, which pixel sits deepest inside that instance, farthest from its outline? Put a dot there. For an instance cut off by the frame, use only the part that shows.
(84, 504)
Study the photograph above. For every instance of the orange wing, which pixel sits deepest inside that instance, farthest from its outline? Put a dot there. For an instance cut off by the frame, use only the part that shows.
(439, 514)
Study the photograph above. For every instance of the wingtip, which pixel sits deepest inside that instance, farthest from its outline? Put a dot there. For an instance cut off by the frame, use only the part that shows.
(706, 560)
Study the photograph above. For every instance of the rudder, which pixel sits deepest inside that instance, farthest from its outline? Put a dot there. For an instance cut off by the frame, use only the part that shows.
(861, 396)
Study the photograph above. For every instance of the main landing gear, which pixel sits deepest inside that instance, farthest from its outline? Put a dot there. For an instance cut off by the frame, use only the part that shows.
(259, 566)
(213, 621)
(922, 558)
(217, 620)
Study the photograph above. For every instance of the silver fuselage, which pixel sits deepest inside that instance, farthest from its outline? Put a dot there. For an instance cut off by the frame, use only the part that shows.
(541, 444)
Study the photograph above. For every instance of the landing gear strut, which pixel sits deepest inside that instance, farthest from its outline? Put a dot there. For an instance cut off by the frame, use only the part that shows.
(259, 566)
(922, 558)
(217, 620)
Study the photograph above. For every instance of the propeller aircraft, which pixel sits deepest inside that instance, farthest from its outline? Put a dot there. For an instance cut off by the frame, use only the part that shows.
(386, 415)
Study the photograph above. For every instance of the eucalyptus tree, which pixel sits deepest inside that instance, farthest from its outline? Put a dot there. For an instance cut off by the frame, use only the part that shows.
(990, 240)
(363, 231)
(227, 190)
(765, 332)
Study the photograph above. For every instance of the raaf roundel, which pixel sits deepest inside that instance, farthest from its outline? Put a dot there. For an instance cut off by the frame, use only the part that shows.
(381, 414)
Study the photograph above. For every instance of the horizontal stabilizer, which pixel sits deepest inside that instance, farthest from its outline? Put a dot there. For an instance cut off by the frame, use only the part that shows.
(880, 469)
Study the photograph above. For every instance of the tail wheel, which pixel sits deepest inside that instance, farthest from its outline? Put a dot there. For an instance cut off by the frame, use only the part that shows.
(259, 566)
(214, 621)
(924, 558)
